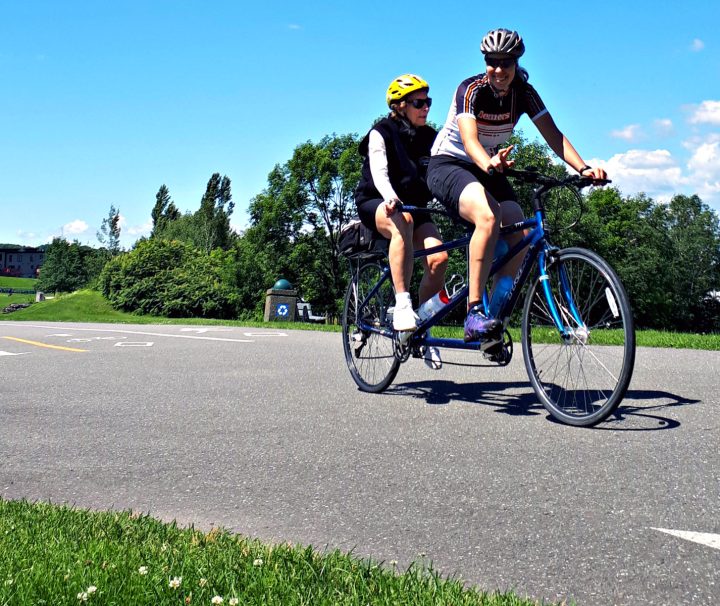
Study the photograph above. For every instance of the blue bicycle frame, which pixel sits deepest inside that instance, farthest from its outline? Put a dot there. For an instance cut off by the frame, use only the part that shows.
(538, 249)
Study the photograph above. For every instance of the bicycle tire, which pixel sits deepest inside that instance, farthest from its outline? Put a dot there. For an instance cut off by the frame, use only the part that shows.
(369, 354)
(581, 377)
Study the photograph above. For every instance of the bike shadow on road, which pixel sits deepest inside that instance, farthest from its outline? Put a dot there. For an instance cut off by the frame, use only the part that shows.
(514, 398)
(517, 399)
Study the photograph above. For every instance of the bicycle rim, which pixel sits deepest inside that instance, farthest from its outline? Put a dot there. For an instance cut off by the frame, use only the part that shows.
(368, 353)
(582, 376)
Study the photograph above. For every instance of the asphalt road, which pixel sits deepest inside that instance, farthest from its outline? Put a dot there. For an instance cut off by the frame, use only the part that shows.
(264, 432)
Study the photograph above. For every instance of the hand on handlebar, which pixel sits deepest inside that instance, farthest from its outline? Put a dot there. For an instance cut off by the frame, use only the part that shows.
(391, 206)
(597, 175)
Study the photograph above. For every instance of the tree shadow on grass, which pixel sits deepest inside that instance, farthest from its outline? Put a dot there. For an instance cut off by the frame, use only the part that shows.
(517, 399)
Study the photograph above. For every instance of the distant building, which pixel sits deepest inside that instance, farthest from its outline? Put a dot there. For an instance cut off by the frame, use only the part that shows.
(22, 262)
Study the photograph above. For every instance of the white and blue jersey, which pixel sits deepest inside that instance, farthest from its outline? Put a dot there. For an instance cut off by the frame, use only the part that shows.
(496, 116)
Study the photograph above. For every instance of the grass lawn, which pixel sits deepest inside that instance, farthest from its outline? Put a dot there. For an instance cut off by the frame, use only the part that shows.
(63, 556)
(20, 283)
(6, 299)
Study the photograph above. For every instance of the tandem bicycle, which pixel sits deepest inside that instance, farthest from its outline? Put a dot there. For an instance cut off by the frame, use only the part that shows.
(577, 330)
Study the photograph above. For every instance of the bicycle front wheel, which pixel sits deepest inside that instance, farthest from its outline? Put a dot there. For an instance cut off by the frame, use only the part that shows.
(582, 374)
(367, 330)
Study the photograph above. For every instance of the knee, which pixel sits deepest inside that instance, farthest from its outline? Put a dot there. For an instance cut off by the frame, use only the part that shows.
(400, 227)
(437, 263)
(484, 218)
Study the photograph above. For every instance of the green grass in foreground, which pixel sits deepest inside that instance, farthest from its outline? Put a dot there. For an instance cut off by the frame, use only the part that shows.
(90, 306)
(21, 283)
(58, 555)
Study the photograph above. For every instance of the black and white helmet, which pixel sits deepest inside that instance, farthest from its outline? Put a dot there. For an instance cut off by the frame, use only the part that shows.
(503, 42)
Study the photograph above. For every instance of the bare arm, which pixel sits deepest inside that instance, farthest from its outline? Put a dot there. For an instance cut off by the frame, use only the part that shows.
(560, 144)
(468, 133)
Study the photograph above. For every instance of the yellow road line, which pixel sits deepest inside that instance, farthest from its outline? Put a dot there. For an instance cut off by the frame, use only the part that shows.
(43, 344)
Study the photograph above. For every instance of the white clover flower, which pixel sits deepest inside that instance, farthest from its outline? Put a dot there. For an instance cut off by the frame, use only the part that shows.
(258, 562)
(82, 596)
(143, 570)
(233, 602)
(92, 589)
(202, 582)
(175, 582)
(216, 600)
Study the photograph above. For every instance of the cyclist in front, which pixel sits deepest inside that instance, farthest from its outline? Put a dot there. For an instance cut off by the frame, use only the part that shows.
(468, 158)
(392, 173)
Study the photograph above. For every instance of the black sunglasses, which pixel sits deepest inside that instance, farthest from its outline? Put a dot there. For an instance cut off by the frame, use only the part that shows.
(504, 63)
(420, 103)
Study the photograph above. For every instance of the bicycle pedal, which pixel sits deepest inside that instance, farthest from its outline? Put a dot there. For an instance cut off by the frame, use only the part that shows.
(490, 343)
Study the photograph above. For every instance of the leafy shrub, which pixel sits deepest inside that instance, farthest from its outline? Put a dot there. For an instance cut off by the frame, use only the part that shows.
(172, 279)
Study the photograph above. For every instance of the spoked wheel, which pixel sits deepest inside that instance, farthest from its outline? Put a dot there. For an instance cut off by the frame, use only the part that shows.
(368, 332)
(580, 376)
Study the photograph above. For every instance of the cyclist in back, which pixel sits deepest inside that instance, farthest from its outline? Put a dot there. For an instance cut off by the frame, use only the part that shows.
(393, 173)
(468, 158)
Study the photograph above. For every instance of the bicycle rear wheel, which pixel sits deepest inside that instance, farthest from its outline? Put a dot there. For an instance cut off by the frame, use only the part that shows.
(367, 330)
(580, 376)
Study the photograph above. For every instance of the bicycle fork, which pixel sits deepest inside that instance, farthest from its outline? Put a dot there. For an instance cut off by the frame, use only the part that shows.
(565, 290)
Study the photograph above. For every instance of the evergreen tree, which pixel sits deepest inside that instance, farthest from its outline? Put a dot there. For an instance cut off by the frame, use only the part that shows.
(164, 211)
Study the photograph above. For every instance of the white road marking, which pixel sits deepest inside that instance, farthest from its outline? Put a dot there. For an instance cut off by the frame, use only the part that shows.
(135, 332)
(265, 334)
(134, 344)
(7, 353)
(202, 330)
(60, 334)
(704, 538)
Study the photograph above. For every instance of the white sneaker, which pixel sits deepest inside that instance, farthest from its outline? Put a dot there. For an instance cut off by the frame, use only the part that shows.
(404, 318)
(432, 358)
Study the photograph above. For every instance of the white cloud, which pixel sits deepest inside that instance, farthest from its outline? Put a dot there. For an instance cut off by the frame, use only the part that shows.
(697, 45)
(708, 112)
(294, 26)
(664, 127)
(629, 133)
(660, 175)
(704, 167)
(654, 172)
(139, 230)
(26, 236)
(78, 226)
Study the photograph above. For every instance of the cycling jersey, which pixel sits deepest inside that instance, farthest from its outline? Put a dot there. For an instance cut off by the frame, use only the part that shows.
(496, 116)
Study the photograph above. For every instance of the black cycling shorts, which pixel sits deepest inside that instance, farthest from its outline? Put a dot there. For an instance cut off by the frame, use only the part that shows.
(367, 209)
(447, 177)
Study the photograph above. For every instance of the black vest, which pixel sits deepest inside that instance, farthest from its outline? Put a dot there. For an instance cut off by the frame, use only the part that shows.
(405, 147)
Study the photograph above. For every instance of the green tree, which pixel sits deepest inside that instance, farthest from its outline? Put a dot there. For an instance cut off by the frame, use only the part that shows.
(693, 264)
(212, 220)
(69, 266)
(109, 233)
(164, 211)
(325, 175)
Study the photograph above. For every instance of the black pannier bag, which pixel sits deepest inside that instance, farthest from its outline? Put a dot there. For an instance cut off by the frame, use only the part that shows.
(358, 241)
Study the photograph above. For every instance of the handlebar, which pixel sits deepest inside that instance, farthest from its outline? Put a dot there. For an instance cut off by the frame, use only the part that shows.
(533, 176)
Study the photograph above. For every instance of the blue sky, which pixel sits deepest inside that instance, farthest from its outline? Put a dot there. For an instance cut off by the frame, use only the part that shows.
(101, 103)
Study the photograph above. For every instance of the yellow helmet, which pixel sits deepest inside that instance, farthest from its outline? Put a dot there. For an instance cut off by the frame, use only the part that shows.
(403, 85)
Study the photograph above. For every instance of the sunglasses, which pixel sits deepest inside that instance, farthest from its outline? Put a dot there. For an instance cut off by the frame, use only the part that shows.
(495, 63)
(420, 103)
